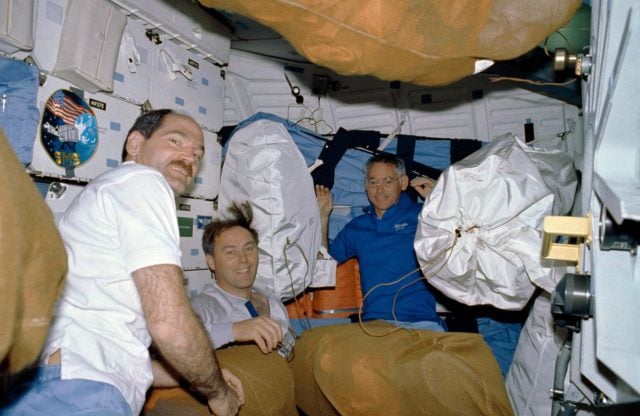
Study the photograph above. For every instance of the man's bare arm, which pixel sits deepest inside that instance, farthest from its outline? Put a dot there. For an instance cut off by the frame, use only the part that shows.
(179, 335)
(325, 205)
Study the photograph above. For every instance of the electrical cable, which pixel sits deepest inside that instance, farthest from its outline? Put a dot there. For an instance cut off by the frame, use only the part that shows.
(528, 81)
(449, 250)
(561, 35)
(310, 119)
(304, 281)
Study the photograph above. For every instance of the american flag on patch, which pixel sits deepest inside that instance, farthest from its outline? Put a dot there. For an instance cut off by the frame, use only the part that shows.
(65, 107)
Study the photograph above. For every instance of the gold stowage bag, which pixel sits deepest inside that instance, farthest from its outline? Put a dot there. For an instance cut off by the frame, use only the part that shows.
(266, 379)
(33, 262)
(345, 370)
(427, 42)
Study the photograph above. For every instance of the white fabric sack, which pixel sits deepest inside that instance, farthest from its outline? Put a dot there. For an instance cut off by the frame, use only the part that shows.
(530, 376)
(532, 372)
(265, 167)
(558, 171)
(480, 230)
(325, 271)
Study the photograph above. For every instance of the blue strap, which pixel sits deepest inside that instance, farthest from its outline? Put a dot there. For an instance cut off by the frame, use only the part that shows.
(252, 309)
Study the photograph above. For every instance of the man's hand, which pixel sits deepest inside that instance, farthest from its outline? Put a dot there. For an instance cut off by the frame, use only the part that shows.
(423, 185)
(325, 205)
(265, 332)
(324, 199)
(228, 403)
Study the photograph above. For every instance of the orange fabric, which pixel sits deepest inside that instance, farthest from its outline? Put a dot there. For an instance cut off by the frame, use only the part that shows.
(343, 370)
(345, 299)
(34, 264)
(266, 379)
(175, 398)
(300, 306)
(427, 42)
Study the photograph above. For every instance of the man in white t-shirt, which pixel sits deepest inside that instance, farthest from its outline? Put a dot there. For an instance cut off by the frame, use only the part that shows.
(125, 287)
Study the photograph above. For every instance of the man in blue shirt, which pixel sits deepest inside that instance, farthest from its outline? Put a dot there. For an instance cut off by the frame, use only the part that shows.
(393, 286)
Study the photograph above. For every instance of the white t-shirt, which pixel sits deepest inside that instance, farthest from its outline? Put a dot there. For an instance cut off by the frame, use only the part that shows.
(123, 221)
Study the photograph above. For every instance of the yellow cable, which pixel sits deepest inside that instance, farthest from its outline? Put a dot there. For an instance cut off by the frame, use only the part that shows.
(528, 81)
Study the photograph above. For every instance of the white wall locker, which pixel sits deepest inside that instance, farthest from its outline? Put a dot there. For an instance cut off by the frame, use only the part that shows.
(78, 40)
(50, 17)
(98, 145)
(89, 44)
(196, 279)
(59, 196)
(193, 216)
(134, 66)
(467, 110)
(446, 112)
(206, 184)
(185, 81)
(365, 110)
(185, 22)
(16, 27)
(256, 83)
(508, 111)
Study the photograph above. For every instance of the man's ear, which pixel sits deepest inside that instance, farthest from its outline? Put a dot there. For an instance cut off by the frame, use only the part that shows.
(134, 143)
(211, 263)
(404, 182)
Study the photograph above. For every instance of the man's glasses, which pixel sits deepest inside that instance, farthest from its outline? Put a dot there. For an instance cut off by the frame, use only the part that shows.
(386, 182)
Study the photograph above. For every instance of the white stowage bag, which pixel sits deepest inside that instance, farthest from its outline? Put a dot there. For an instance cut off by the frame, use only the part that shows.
(264, 166)
(530, 376)
(480, 231)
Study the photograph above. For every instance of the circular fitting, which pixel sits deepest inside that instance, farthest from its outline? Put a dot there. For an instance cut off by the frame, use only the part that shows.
(583, 65)
(572, 296)
(562, 59)
(613, 236)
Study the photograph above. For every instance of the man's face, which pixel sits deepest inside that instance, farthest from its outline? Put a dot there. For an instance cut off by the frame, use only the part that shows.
(383, 195)
(175, 149)
(235, 261)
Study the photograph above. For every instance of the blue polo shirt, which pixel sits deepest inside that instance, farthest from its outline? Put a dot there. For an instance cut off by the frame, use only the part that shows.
(384, 249)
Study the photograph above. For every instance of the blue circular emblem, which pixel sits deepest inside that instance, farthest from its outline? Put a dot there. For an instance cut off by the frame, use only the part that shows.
(69, 130)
